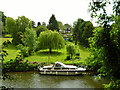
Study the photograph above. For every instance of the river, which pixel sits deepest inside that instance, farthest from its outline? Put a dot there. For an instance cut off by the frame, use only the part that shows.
(35, 80)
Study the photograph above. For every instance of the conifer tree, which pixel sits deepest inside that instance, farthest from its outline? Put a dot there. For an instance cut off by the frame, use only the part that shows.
(53, 25)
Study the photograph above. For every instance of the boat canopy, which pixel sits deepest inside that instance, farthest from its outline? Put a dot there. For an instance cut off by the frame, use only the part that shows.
(63, 65)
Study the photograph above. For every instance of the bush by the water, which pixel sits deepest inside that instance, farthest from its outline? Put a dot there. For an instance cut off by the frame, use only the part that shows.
(18, 64)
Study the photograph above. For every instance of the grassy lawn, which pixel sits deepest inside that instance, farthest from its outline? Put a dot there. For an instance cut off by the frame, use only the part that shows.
(43, 55)
(12, 52)
(6, 35)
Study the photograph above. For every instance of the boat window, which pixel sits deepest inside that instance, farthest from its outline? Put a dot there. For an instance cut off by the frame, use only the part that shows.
(57, 65)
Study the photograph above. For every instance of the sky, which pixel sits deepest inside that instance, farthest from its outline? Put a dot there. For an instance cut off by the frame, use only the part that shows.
(66, 11)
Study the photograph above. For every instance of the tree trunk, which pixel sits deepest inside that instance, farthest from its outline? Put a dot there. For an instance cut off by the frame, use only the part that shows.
(50, 50)
(71, 56)
(48, 58)
(75, 38)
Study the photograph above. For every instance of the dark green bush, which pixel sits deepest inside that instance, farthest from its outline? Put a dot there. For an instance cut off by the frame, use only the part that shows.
(77, 54)
(68, 57)
(4, 44)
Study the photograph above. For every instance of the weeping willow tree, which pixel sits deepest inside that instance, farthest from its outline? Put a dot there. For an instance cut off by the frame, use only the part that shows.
(50, 40)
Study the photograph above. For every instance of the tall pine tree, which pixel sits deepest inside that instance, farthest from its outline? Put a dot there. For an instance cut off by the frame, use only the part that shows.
(53, 25)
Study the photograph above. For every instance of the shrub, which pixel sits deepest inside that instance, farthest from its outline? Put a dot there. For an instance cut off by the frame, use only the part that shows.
(23, 49)
(19, 65)
(77, 54)
(4, 44)
(70, 49)
(68, 57)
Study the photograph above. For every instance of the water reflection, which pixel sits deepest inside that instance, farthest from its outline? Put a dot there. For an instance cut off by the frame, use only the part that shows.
(35, 80)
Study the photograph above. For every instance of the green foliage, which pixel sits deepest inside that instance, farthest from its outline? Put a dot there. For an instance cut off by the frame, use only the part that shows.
(39, 29)
(22, 23)
(4, 30)
(82, 30)
(76, 29)
(33, 24)
(50, 40)
(44, 24)
(113, 84)
(38, 24)
(61, 26)
(68, 57)
(17, 38)
(53, 24)
(71, 49)
(11, 25)
(5, 43)
(87, 32)
(17, 27)
(97, 53)
(105, 44)
(23, 49)
(3, 54)
(19, 65)
(29, 39)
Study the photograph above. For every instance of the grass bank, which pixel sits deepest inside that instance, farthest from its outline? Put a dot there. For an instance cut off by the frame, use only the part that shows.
(42, 56)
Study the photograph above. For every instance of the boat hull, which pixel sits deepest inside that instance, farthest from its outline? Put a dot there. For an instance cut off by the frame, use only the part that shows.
(63, 72)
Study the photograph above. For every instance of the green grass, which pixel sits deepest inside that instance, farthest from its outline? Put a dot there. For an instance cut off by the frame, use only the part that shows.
(12, 52)
(7, 35)
(43, 55)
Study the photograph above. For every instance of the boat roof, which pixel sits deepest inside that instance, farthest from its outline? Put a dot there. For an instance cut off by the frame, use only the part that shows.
(67, 66)
(60, 63)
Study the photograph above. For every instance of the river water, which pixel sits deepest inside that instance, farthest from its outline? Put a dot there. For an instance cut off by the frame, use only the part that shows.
(35, 80)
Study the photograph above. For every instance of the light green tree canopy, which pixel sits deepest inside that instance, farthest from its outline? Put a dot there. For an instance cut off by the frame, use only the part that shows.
(29, 39)
(50, 40)
(11, 25)
(71, 49)
(23, 22)
(17, 27)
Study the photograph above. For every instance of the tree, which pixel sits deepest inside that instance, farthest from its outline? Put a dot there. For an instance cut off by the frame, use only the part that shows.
(105, 43)
(75, 29)
(81, 29)
(38, 24)
(33, 24)
(53, 25)
(71, 49)
(60, 25)
(87, 32)
(17, 27)
(11, 26)
(4, 31)
(44, 24)
(22, 23)
(39, 29)
(50, 40)
(29, 39)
